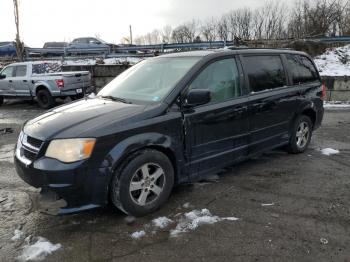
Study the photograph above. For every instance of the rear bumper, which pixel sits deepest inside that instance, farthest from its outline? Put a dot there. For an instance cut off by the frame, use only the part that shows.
(81, 188)
(72, 92)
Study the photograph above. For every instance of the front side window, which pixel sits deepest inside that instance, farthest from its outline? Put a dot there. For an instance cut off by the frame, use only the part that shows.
(21, 71)
(8, 71)
(264, 72)
(150, 80)
(302, 69)
(222, 80)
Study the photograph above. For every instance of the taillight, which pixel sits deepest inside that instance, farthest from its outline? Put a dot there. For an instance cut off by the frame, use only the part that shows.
(323, 91)
(59, 83)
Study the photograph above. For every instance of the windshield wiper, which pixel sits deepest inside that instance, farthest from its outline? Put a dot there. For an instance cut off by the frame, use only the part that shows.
(118, 99)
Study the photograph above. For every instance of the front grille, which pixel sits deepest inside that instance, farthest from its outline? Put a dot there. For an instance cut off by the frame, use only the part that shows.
(28, 154)
(34, 142)
(28, 149)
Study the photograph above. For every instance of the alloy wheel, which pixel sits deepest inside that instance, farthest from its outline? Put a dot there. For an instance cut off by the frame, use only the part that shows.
(302, 135)
(147, 184)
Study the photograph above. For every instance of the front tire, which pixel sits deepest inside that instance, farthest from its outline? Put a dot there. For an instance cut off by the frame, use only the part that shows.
(45, 99)
(144, 184)
(1, 100)
(300, 135)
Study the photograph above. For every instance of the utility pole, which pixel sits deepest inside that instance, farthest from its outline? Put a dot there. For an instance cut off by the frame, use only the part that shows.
(19, 44)
(130, 34)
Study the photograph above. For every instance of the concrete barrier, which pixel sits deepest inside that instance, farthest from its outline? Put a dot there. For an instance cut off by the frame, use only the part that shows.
(338, 88)
(101, 75)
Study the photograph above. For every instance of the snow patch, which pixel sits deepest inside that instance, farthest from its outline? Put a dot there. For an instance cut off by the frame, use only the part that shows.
(329, 151)
(336, 105)
(267, 204)
(17, 235)
(334, 62)
(161, 222)
(192, 220)
(38, 251)
(186, 205)
(138, 234)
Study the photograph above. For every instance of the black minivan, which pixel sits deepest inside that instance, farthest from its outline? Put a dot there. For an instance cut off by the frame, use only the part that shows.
(166, 121)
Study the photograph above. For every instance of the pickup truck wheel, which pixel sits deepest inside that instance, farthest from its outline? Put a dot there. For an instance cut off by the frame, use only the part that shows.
(1, 100)
(45, 100)
(300, 135)
(144, 184)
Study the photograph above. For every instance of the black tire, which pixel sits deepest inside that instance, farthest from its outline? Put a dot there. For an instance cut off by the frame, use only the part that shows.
(300, 140)
(127, 199)
(45, 99)
(76, 97)
(1, 100)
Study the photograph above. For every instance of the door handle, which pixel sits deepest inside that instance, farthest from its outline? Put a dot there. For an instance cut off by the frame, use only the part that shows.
(10, 81)
(25, 81)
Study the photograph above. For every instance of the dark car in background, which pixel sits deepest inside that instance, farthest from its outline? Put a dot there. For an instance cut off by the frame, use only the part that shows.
(88, 45)
(8, 49)
(55, 48)
(169, 120)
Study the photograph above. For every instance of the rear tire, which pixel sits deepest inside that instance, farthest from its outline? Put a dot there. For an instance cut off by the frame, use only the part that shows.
(45, 99)
(76, 97)
(300, 135)
(1, 100)
(144, 184)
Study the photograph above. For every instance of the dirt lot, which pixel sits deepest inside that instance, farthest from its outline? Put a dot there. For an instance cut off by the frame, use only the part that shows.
(290, 208)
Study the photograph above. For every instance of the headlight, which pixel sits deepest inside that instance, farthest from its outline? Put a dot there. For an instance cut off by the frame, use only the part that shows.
(70, 150)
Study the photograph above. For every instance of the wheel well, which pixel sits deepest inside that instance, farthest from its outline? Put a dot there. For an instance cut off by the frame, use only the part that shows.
(40, 88)
(170, 154)
(123, 161)
(310, 113)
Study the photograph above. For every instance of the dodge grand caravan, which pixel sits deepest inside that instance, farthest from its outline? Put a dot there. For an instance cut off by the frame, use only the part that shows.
(166, 121)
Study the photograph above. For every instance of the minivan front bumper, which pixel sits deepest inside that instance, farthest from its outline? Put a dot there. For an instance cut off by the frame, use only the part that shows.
(80, 187)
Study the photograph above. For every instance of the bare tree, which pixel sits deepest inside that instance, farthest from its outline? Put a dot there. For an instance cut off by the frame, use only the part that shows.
(208, 30)
(239, 23)
(317, 18)
(19, 44)
(185, 33)
(166, 34)
(222, 28)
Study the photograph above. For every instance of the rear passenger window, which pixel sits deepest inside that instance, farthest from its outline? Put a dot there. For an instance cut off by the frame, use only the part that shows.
(21, 71)
(221, 78)
(264, 72)
(302, 69)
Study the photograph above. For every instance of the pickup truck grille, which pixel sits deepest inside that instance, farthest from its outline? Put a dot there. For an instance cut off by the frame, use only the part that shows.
(28, 148)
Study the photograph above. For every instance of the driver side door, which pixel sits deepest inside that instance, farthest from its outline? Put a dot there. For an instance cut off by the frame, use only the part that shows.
(6, 84)
(217, 133)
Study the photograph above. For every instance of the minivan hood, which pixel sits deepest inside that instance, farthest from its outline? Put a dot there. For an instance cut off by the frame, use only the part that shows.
(79, 119)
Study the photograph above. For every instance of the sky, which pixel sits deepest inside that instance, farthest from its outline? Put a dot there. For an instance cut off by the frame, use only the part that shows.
(63, 20)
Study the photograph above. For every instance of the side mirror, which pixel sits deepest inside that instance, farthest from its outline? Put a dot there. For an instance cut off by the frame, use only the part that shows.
(2, 76)
(196, 97)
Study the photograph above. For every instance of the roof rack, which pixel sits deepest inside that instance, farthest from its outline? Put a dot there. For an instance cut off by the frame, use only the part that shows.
(256, 48)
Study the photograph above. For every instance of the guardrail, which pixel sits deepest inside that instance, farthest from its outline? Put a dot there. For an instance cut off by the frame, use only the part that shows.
(145, 50)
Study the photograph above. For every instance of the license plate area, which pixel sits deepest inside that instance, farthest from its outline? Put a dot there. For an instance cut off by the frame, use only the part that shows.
(79, 90)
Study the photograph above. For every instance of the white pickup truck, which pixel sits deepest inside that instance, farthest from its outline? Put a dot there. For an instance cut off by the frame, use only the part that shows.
(43, 81)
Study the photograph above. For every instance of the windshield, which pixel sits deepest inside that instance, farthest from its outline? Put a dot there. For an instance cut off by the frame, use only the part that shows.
(150, 80)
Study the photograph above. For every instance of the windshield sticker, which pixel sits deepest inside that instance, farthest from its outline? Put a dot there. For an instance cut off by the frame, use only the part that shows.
(155, 98)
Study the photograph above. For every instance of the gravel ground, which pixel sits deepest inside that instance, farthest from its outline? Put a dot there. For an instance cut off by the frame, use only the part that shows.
(290, 208)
